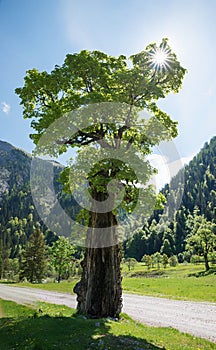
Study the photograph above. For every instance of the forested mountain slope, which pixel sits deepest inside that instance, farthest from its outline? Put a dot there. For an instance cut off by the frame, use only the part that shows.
(193, 192)
(200, 182)
(14, 168)
(18, 215)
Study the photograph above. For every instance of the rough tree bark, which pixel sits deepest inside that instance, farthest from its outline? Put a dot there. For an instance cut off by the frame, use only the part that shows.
(207, 267)
(99, 292)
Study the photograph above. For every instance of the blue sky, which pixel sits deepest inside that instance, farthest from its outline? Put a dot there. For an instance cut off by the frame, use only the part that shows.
(38, 34)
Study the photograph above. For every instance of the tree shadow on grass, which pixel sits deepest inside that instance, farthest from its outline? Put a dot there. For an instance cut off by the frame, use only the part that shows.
(211, 271)
(76, 332)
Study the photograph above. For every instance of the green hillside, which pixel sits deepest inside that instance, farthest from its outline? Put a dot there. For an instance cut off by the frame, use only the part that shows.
(18, 216)
(193, 192)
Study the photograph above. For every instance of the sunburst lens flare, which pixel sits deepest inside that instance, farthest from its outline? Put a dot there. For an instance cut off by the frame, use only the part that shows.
(160, 58)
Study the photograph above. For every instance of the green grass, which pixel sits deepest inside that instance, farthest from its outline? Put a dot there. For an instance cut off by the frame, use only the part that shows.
(59, 327)
(187, 282)
(10, 309)
(63, 287)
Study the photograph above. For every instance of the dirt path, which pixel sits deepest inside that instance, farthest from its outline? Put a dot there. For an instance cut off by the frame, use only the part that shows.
(196, 318)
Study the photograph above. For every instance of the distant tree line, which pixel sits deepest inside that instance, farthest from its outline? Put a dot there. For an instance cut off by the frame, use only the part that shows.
(189, 234)
(190, 231)
(26, 253)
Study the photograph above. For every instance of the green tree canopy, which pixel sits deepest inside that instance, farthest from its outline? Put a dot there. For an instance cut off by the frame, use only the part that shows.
(89, 79)
(61, 256)
(94, 77)
(202, 240)
(85, 89)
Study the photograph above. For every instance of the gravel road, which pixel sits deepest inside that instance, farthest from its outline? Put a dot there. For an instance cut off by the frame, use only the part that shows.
(196, 318)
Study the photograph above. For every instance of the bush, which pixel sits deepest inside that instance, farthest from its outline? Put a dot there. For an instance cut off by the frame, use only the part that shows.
(196, 259)
(147, 259)
(180, 257)
(165, 260)
(130, 262)
(173, 261)
(157, 258)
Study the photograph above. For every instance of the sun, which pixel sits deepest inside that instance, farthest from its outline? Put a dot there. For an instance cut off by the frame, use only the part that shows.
(160, 58)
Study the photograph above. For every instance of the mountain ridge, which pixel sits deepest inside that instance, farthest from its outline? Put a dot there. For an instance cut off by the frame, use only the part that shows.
(192, 191)
(194, 186)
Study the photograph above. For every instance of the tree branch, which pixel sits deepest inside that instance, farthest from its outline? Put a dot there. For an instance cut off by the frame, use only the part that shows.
(124, 127)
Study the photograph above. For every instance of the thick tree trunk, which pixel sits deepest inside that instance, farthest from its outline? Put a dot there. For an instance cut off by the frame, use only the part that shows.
(99, 293)
(59, 278)
(207, 267)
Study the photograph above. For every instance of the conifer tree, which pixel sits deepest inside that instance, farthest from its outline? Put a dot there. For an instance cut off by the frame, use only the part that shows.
(33, 263)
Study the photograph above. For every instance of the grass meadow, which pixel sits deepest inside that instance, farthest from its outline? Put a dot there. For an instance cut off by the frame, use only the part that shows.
(186, 282)
(59, 327)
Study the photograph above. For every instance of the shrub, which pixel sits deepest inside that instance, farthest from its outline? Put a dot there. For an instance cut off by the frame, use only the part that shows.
(173, 261)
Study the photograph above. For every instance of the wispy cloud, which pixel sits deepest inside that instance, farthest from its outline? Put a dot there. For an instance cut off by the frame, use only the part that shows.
(161, 164)
(166, 169)
(6, 107)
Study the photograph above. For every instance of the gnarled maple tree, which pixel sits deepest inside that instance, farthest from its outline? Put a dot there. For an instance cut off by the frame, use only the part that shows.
(133, 84)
